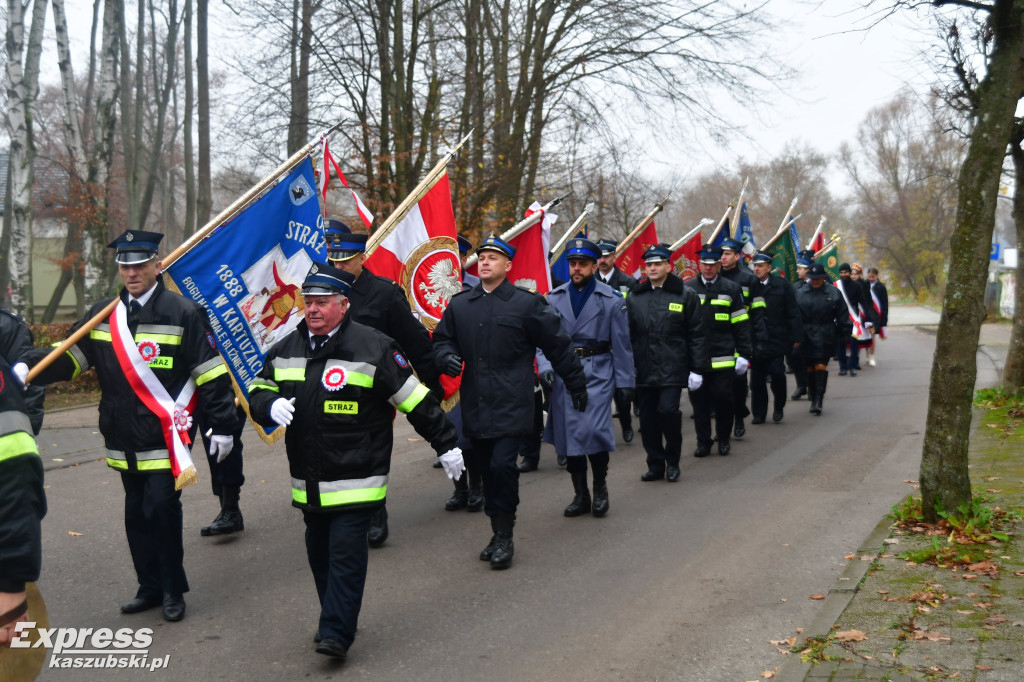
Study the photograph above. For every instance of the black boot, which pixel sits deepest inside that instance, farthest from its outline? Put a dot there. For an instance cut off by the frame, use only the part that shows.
(501, 557)
(600, 487)
(476, 499)
(378, 533)
(460, 498)
(487, 552)
(581, 502)
(230, 518)
(821, 381)
(812, 382)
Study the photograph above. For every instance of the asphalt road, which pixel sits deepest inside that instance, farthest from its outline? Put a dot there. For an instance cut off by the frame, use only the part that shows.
(685, 581)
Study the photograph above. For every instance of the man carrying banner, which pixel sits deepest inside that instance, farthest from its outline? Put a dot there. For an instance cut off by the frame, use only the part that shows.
(594, 314)
(380, 303)
(497, 327)
(784, 332)
(154, 357)
(335, 384)
(734, 271)
(623, 283)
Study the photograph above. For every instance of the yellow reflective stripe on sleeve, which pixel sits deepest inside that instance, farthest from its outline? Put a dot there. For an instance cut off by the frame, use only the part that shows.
(353, 496)
(410, 403)
(721, 301)
(740, 316)
(289, 374)
(723, 361)
(758, 303)
(262, 384)
(153, 465)
(360, 379)
(158, 338)
(99, 335)
(117, 463)
(211, 374)
(17, 444)
(299, 495)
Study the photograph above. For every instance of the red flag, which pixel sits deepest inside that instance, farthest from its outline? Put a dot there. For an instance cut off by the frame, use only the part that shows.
(631, 260)
(818, 243)
(530, 269)
(325, 181)
(686, 259)
(422, 255)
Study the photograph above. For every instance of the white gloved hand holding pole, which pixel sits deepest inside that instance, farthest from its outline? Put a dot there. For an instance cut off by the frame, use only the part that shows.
(220, 447)
(452, 463)
(742, 364)
(20, 370)
(282, 411)
(695, 381)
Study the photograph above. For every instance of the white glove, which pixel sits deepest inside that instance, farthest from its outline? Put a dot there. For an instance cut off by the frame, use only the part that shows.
(695, 381)
(869, 325)
(220, 447)
(741, 365)
(282, 410)
(452, 463)
(20, 370)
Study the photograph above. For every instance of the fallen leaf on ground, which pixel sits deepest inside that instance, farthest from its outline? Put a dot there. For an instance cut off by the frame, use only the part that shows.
(849, 556)
(816, 596)
(851, 636)
(767, 674)
(983, 605)
(982, 667)
(969, 576)
(883, 592)
(996, 619)
(867, 557)
(1019, 574)
(930, 636)
(799, 630)
(964, 612)
(74, 534)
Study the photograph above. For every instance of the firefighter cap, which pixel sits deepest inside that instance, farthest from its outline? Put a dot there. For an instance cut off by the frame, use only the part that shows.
(656, 253)
(345, 245)
(607, 246)
(324, 280)
(493, 243)
(582, 248)
(133, 247)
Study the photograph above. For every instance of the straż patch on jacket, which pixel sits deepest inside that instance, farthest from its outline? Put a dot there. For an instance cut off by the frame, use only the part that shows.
(400, 360)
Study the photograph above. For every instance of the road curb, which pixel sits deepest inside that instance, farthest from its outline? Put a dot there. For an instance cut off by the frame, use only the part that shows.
(838, 598)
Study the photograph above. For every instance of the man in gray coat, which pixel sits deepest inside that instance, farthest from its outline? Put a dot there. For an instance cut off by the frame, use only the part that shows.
(594, 314)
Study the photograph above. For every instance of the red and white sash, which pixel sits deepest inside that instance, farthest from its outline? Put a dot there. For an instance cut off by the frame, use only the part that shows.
(858, 328)
(878, 309)
(174, 415)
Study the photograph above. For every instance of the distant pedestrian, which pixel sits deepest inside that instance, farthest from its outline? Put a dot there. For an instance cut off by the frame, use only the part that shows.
(825, 320)
(880, 302)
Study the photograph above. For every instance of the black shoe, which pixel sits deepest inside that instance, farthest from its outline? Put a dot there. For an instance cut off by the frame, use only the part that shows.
(842, 372)
(527, 465)
(739, 429)
(476, 500)
(798, 393)
(777, 415)
(504, 548)
(757, 420)
(672, 474)
(329, 646)
(458, 500)
(317, 638)
(724, 447)
(174, 607)
(853, 372)
(702, 451)
(437, 464)
(627, 435)
(652, 475)
(140, 604)
(378, 533)
(227, 522)
(562, 461)
(487, 552)
(581, 500)
(600, 507)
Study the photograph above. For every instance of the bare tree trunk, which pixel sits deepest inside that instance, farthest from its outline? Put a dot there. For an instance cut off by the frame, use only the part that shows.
(302, 38)
(5, 244)
(204, 199)
(945, 481)
(1013, 372)
(190, 169)
(22, 84)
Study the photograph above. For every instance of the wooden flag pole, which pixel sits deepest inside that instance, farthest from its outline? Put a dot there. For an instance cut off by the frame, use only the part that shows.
(689, 235)
(739, 208)
(236, 207)
(782, 231)
(635, 232)
(572, 229)
(789, 212)
(522, 226)
(721, 223)
(833, 242)
(425, 185)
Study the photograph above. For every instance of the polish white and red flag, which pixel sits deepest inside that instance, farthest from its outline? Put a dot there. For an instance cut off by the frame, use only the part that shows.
(631, 260)
(686, 259)
(530, 269)
(421, 254)
(325, 181)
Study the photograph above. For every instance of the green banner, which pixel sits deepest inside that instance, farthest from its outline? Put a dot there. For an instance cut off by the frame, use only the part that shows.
(783, 258)
(830, 259)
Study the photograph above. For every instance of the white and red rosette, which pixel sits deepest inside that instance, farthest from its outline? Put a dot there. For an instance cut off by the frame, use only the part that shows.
(149, 350)
(335, 378)
(182, 420)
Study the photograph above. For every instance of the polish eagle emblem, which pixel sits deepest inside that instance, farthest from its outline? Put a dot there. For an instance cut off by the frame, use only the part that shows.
(444, 283)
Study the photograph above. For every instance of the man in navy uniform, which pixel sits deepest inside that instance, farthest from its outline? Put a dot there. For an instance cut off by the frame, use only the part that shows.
(784, 332)
(669, 352)
(793, 358)
(497, 327)
(727, 326)
(608, 273)
(380, 303)
(594, 314)
(167, 344)
(335, 384)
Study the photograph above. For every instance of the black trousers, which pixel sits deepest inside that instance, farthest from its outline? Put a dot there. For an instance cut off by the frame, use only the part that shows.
(762, 371)
(496, 459)
(716, 392)
(799, 368)
(577, 464)
(739, 396)
(625, 411)
(529, 446)
(661, 425)
(229, 472)
(338, 555)
(153, 522)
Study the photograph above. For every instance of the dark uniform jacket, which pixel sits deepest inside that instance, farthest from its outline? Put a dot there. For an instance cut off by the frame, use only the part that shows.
(16, 345)
(131, 431)
(750, 285)
(726, 321)
(855, 294)
(825, 319)
(782, 319)
(22, 501)
(380, 303)
(667, 332)
(882, 294)
(346, 394)
(497, 335)
(617, 280)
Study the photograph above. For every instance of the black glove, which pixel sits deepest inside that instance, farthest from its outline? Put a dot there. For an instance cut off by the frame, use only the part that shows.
(624, 396)
(451, 365)
(547, 380)
(579, 400)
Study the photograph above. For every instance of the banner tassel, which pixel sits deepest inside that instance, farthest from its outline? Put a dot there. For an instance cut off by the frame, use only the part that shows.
(186, 478)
